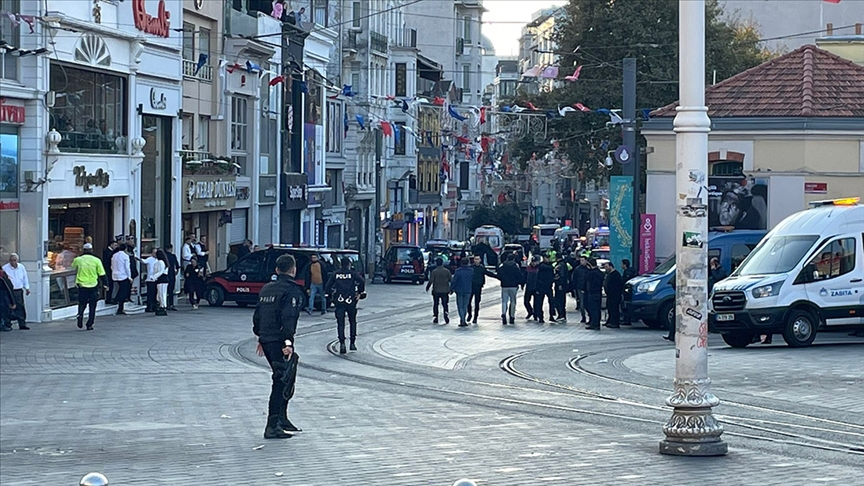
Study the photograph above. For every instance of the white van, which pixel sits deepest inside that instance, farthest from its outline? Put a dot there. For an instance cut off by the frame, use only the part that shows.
(806, 275)
(544, 234)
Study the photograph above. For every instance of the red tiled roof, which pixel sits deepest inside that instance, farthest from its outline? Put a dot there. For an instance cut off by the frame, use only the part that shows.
(807, 82)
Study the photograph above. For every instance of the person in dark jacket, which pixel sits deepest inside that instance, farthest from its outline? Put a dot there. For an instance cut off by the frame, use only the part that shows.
(477, 284)
(545, 278)
(562, 287)
(614, 286)
(173, 270)
(439, 282)
(510, 276)
(530, 285)
(274, 323)
(593, 294)
(7, 302)
(577, 281)
(193, 282)
(107, 253)
(716, 273)
(461, 286)
(346, 287)
(627, 273)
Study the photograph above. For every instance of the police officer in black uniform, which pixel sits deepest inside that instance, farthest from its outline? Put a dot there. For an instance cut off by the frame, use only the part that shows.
(345, 288)
(275, 322)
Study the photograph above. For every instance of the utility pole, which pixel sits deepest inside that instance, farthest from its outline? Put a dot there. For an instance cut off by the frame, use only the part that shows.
(628, 129)
(692, 430)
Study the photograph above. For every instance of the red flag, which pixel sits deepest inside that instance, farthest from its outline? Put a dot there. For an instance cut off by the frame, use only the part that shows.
(581, 107)
(438, 101)
(482, 115)
(463, 140)
(831, 1)
(276, 80)
(531, 106)
(231, 69)
(386, 129)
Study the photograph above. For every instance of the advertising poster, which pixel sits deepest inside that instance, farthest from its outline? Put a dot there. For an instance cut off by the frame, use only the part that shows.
(620, 219)
(740, 202)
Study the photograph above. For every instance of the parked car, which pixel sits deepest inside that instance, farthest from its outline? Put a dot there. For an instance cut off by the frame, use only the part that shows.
(403, 262)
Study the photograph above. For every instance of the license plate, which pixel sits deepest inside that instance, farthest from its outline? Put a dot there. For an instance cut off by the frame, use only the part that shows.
(725, 317)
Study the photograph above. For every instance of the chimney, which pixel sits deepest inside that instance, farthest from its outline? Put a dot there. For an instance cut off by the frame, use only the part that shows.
(829, 30)
(858, 29)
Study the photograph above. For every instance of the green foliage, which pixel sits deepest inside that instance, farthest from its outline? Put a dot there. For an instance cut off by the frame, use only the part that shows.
(508, 217)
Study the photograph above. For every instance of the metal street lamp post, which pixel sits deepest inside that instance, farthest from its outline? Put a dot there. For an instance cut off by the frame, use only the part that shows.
(692, 430)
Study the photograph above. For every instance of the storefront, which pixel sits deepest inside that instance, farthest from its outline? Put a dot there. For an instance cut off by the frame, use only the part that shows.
(12, 116)
(209, 202)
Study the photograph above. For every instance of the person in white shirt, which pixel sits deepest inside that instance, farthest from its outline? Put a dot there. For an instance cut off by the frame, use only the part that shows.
(187, 252)
(203, 255)
(20, 285)
(150, 262)
(160, 271)
(121, 274)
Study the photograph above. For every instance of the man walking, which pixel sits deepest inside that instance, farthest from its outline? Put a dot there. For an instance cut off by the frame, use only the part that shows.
(173, 269)
(107, 253)
(530, 285)
(150, 282)
(593, 294)
(121, 275)
(510, 276)
(346, 287)
(439, 281)
(477, 283)
(316, 277)
(461, 286)
(274, 323)
(20, 286)
(614, 286)
(545, 279)
(577, 281)
(89, 274)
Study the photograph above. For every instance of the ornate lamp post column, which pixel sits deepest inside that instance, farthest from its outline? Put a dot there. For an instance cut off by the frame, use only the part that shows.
(692, 430)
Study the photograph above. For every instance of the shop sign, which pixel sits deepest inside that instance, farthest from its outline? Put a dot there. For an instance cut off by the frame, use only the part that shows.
(815, 188)
(159, 102)
(87, 181)
(9, 206)
(209, 193)
(158, 25)
(295, 191)
(11, 113)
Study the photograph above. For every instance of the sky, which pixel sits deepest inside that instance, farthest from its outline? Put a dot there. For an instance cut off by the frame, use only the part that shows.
(512, 15)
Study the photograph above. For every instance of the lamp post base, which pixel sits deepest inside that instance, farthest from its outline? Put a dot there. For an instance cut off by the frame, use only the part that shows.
(695, 449)
(693, 432)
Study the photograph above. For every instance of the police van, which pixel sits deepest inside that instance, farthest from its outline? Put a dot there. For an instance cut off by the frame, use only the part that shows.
(805, 276)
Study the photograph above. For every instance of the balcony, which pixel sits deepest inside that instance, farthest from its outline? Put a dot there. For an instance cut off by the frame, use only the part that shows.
(203, 74)
(378, 42)
(409, 39)
(205, 163)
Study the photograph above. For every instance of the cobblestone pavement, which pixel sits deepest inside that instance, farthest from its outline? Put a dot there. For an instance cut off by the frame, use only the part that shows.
(181, 400)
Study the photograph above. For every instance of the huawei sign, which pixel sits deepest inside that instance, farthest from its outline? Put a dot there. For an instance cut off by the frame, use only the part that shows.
(158, 25)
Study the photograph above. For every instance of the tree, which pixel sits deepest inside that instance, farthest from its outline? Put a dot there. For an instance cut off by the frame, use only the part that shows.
(597, 35)
(508, 217)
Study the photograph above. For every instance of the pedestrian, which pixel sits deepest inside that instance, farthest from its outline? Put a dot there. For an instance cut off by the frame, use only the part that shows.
(17, 275)
(161, 274)
(627, 273)
(7, 302)
(274, 323)
(716, 273)
(439, 282)
(203, 255)
(346, 287)
(530, 285)
(562, 288)
(614, 287)
(545, 279)
(477, 283)
(461, 286)
(193, 282)
(510, 276)
(593, 294)
(107, 253)
(89, 274)
(278, 9)
(577, 282)
(188, 251)
(316, 277)
(244, 249)
(173, 270)
(150, 282)
(121, 275)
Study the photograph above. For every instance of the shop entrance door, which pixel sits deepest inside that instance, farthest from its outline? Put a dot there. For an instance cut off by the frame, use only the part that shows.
(156, 183)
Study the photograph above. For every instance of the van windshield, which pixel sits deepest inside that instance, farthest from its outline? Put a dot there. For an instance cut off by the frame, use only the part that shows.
(777, 254)
(664, 267)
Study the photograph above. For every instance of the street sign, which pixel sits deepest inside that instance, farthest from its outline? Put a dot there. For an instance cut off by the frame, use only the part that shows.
(620, 218)
(623, 154)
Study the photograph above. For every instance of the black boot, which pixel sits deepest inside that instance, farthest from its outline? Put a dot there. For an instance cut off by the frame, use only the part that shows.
(286, 425)
(272, 431)
(353, 347)
(342, 349)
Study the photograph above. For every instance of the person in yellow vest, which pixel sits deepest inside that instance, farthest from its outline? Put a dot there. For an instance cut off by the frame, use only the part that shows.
(89, 275)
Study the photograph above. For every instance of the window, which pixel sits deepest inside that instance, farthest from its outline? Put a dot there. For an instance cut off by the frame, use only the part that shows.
(335, 127)
(320, 12)
(739, 253)
(10, 34)
(314, 81)
(399, 146)
(778, 254)
(239, 132)
(187, 141)
(466, 29)
(833, 260)
(202, 144)
(355, 80)
(188, 41)
(9, 154)
(356, 13)
(466, 77)
(464, 171)
(727, 168)
(401, 79)
(89, 110)
(204, 44)
(252, 266)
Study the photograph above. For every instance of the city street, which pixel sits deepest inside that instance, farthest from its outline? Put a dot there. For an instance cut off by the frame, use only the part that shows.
(182, 399)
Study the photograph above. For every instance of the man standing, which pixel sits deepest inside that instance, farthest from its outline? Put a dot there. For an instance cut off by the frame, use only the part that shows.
(461, 286)
(716, 273)
(316, 276)
(203, 255)
(107, 253)
(530, 285)
(439, 281)
(150, 262)
(121, 275)
(346, 287)
(274, 323)
(545, 278)
(20, 286)
(614, 286)
(188, 251)
(173, 269)
(577, 281)
(562, 287)
(245, 249)
(593, 294)
(89, 274)
(627, 273)
(510, 276)
(477, 284)
(7, 302)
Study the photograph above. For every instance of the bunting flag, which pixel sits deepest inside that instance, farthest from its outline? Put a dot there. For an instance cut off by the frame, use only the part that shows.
(386, 128)
(575, 75)
(28, 19)
(404, 106)
(532, 73)
(517, 109)
(345, 122)
(231, 68)
(482, 115)
(454, 114)
(348, 91)
(532, 107)
(251, 67)
(582, 108)
(202, 60)
(563, 111)
(13, 19)
(551, 72)
(461, 139)
(506, 109)
(646, 112)
(439, 101)
(550, 114)
(276, 80)
(304, 88)
(361, 121)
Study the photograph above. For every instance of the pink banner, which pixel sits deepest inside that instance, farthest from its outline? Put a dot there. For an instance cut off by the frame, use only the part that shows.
(646, 243)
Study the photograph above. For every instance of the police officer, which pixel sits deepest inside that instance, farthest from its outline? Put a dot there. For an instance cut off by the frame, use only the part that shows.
(274, 323)
(593, 294)
(345, 288)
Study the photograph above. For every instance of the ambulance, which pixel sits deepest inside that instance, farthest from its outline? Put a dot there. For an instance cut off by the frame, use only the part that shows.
(805, 276)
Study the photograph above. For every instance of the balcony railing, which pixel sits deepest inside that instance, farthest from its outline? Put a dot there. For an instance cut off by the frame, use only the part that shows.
(378, 42)
(204, 74)
(409, 38)
(197, 162)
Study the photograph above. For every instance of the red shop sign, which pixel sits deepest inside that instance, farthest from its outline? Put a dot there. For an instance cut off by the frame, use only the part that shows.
(11, 113)
(158, 25)
(815, 188)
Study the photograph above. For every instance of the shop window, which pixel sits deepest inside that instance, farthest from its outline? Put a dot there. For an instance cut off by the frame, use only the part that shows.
(399, 146)
(203, 142)
(89, 110)
(9, 156)
(401, 79)
(9, 235)
(11, 34)
(204, 44)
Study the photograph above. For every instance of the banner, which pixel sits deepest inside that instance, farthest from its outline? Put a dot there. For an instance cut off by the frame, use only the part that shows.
(646, 243)
(740, 202)
(620, 219)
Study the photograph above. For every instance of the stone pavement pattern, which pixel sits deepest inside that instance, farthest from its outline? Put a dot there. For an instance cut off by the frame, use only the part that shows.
(181, 400)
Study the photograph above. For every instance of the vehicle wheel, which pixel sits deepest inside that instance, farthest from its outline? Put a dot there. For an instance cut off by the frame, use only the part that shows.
(215, 296)
(800, 329)
(740, 339)
(665, 317)
(243, 304)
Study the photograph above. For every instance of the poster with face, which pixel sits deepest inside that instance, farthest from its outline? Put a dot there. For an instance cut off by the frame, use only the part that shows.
(740, 202)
